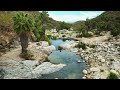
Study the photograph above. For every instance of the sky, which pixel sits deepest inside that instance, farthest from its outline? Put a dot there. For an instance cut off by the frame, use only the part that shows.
(73, 16)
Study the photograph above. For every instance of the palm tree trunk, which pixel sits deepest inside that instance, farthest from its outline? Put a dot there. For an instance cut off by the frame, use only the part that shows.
(24, 42)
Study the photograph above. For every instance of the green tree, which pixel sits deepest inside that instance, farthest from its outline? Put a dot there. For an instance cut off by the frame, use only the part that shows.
(41, 21)
(82, 30)
(23, 25)
(44, 19)
(63, 25)
(87, 23)
(38, 27)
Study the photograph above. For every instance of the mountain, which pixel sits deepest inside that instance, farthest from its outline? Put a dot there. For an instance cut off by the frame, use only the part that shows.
(107, 21)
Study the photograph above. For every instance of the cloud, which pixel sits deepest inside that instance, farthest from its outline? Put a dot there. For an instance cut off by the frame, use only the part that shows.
(73, 18)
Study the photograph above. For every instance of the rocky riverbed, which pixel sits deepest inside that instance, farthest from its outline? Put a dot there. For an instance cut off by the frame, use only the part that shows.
(101, 59)
(14, 67)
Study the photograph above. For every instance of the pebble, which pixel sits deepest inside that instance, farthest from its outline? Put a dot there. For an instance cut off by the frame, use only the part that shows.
(78, 61)
(94, 69)
(83, 77)
(56, 78)
(83, 61)
(102, 60)
(85, 71)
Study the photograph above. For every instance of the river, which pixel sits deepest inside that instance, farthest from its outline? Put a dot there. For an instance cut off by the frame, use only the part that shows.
(72, 70)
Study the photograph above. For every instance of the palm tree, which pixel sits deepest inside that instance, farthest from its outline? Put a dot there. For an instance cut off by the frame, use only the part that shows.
(23, 25)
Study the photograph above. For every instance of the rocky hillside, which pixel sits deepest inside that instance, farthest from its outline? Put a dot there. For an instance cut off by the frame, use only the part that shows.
(107, 21)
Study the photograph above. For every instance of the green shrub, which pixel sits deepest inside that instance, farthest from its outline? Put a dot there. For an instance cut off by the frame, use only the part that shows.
(37, 38)
(49, 36)
(48, 40)
(115, 32)
(81, 45)
(112, 76)
(87, 35)
(84, 35)
(54, 37)
(96, 32)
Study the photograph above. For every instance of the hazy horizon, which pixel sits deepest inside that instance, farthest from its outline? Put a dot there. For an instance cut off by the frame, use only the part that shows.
(73, 16)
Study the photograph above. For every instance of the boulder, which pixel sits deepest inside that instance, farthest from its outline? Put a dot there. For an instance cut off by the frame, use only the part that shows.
(65, 46)
(27, 69)
(68, 45)
(48, 49)
(30, 64)
(47, 67)
(44, 43)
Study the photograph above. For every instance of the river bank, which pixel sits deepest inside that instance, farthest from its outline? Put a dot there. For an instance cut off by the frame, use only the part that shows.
(100, 59)
(14, 67)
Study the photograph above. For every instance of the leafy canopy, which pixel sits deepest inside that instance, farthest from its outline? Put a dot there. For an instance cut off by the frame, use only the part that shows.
(23, 23)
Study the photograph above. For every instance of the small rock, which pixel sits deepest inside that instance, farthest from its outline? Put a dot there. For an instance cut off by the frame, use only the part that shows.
(86, 58)
(99, 57)
(94, 69)
(83, 77)
(78, 61)
(103, 60)
(83, 61)
(56, 78)
(85, 71)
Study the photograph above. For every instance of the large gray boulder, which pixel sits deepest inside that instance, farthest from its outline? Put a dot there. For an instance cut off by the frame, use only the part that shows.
(48, 49)
(27, 69)
(47, 67)
(68, 45)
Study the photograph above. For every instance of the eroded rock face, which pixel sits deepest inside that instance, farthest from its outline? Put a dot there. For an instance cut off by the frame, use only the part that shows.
(47, 67)
(44, 47)
(49, 49)
(26, 69)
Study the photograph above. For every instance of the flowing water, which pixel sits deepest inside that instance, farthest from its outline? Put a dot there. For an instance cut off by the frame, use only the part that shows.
(72, 70)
